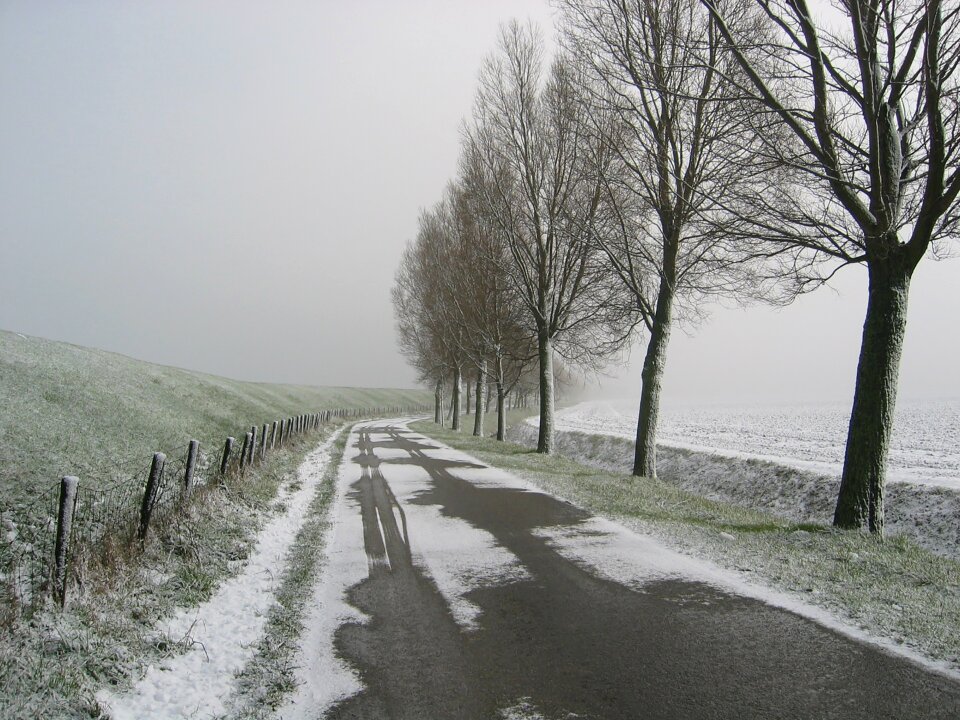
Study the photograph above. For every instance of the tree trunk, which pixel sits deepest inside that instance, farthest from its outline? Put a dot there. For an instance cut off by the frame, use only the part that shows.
(545, 353)
(456, 398)
(438, 403)
(860, 501)
(645, 452)
(480, 406)
(468, 398)
(501, 403)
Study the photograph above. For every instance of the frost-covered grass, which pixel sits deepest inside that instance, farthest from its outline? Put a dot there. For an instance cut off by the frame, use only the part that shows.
(71, 410)
(271, 675)
(53, 664)
(927, 514)
(894, 590)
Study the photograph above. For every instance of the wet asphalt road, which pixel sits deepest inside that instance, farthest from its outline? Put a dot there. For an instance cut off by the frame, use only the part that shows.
(567, 643)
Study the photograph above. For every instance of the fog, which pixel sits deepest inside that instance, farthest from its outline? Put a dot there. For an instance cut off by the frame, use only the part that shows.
(228, 186)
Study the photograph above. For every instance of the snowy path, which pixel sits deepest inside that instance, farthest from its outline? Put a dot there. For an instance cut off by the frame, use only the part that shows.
(455, 590)
(224, 630)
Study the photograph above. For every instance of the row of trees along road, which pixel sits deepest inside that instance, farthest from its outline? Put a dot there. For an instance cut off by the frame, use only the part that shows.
(675, 151)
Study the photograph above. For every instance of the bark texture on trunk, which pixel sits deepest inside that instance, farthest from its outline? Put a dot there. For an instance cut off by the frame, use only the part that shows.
(468, 397)
(860, 501)
(645, 452)
(456, 399)
(501, 402)
(479, 404)
(438, 403)
(501, 412)
(545, 353)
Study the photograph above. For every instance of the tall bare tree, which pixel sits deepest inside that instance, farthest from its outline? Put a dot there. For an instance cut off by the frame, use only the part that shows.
(868, 91)
(529, 136)
(429, 332)
(674, 147)
(495, 315)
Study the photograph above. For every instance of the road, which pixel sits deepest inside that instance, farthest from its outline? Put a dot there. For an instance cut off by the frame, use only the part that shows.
(475, 596)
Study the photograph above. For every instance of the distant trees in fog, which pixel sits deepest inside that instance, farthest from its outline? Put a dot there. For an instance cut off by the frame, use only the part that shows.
(681, 149)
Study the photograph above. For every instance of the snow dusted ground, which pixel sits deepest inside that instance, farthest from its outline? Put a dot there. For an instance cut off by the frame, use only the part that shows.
(767, 458)
(222, 634)
(924, 449)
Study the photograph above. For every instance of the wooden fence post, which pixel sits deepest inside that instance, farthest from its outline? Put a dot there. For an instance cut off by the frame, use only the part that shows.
(61, 549)
(263, 442)
(191, 467)
(246, 449)
(273, 435)
(227, 449)
(253, 444)
(150, 494)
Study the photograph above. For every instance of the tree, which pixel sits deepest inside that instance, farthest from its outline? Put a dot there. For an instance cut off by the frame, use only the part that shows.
(454, 307)
(674, 149)
(873, 111)
(495, 313)
(528, 139)
(424, 308)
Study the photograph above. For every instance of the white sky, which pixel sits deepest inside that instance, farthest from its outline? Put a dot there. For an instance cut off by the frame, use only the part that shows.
(228, 186)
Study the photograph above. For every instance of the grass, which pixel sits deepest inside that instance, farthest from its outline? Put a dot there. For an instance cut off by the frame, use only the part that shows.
(53, 663)
(271, 675)
(71, 410)
(892, 589)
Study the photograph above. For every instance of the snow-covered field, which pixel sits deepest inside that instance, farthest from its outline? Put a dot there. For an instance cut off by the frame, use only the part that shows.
(925, 447)
(783, 460)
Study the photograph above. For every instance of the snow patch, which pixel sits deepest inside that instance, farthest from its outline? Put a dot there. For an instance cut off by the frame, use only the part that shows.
(609, 550)
(523, 709)
(345, 566)
(460, 558)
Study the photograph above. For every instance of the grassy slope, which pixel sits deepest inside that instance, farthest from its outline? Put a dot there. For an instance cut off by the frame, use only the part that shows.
(77, 410)
(892, 589)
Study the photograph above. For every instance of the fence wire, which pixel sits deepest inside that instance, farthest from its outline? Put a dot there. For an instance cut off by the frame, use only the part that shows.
(108, 507)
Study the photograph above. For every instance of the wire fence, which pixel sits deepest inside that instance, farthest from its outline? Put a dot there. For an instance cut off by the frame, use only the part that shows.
(58, 533)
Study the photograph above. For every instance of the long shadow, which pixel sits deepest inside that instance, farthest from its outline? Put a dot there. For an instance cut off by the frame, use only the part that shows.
(578, 645)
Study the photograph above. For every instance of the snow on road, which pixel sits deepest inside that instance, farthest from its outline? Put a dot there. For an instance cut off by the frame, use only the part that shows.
(223, 632)
(457, 556)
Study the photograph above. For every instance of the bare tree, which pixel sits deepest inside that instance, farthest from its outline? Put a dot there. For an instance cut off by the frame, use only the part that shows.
(672, 148)
(455, 309)
(868, 91)
(495, 316)
(528, 138)
(430, 336)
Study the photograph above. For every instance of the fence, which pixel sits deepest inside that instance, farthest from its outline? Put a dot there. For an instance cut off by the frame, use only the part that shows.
(69, 521)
